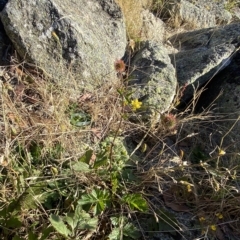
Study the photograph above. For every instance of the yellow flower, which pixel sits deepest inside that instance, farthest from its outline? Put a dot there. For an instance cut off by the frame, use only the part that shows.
(136, 104)
(219, 215)
(221, 152)
(213, 227)
(189, 189)
(201, 219)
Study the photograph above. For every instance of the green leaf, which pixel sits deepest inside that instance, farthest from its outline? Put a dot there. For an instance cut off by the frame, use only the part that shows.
(86, 157)
(98, 198)
(32, 236)
(81, 167)
(129, 230)
(136, 201)
(89, 224)
(115, 234)
(100, 162)
(46, 232)
(13, 222)
(80, 213)
(123, 228)
(84, 220)
(100, 206)
(80, 119)
(115, 221)
(86, 199)
(59, 225)
(71, 220)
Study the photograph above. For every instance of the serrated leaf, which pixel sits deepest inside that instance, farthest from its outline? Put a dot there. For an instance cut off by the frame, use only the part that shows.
(59, 225)
(129, 230)
(122, 228)
(84, 219)
(115, 234)
(86, 199)
(95, 194)
(100, 206)
(98, 198)
(71, 220)
(81, 167)
(136, 201)
(89, 224)
(80, 213)
(114, 221)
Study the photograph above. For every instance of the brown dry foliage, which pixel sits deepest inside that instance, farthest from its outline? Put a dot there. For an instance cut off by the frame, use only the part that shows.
(132, 12)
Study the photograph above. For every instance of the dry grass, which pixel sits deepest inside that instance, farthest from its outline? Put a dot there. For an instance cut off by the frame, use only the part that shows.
(132, 12)
(36, 117)
(35, 108)
(180, 170)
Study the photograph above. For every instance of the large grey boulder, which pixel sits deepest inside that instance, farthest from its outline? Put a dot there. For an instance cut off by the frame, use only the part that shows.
(197, 14)
(221, 102)
(202, 54)
(217, 9)
(153, 28)
(83, 38)
(152, 80)
(227, 105)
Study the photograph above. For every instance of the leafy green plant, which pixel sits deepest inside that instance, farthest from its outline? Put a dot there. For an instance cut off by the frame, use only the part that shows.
(136, 201)
(110, 165)
(80, 119)
(55, 184)
(96, 201)
(71, 225)
(123, 229)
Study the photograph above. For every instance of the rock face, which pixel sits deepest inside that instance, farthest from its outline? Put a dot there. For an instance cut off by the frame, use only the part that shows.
(202, 53)
(153, 28)
(227, 105)
(153, 79)
(214, 8)
(81, 41)
(198, 14)
(81, 37)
